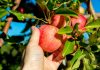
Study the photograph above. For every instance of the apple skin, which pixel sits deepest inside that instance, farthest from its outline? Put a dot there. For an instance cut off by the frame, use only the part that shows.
(21, 10)
(58, 21)
(49, 41)
(57, 55)
(81, 20)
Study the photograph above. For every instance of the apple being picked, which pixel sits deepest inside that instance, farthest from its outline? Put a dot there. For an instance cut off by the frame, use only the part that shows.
(50, 41)
(58, 21)
(81, 20)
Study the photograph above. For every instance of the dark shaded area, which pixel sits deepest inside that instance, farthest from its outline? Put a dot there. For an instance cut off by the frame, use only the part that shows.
(94, 47)
(16, 39)
(31, 8)
(97, 55)
(3, 35)
(10, 56)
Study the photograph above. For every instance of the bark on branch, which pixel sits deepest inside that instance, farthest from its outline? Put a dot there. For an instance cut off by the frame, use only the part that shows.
(90, 9)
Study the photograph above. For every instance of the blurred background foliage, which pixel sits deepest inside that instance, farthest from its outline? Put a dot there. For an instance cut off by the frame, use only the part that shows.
(10, 56)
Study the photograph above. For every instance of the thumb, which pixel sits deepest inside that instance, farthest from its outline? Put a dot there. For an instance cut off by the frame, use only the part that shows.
(34, 56)
(34, 40)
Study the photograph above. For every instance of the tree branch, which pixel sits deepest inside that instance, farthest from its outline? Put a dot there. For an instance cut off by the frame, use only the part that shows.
(90, 9)
(9, 20)
(97, 15)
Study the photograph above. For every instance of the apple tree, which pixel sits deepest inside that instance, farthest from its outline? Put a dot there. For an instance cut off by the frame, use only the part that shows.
(76, 28)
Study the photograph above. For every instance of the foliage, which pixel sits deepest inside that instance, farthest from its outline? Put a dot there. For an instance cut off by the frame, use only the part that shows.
(84, 57)
(10, 56)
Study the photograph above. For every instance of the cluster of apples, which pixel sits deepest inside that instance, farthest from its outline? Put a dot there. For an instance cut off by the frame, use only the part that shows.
(50, 40)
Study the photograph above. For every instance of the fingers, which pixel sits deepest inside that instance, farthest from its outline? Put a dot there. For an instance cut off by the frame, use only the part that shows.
(57, 59)
(50, 57)
(54, 64)
(34, 40)
(58, 54)
(34, 56)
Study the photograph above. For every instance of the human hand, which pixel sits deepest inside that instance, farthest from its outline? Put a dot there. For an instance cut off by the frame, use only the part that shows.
(33, 57)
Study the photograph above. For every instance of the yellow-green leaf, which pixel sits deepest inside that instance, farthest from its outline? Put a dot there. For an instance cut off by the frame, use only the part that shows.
(65, 30)
(69, 48)
(3, 12)
(76, 56)
(66, 11)
(95, 24)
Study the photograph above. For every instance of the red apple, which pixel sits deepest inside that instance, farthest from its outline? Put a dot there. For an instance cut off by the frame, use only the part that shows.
(81, 20)
(50, 41)
(58, 21)
(21, 10)
(65, 37)
(57, 55)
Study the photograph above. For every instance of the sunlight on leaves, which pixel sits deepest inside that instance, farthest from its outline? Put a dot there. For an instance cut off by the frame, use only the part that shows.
(69, 48)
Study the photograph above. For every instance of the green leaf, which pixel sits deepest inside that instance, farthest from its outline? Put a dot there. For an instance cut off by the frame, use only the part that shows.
(5, 49)
(69, 48)
(87, 65)
(76, 27)
(2, 23)
(50, 4)
(90, 19)
(6, 0)
(3, 12)
(21, 16)
(93, 59)
(95, 24)
(66, 11)
(39, 1)
(14, 52)
(1, 67)
(98, 32)
(65, 30)
(93, 38)
(18, 15)
(75, 0)
(77, 55)
(77, 63)
(44, 8)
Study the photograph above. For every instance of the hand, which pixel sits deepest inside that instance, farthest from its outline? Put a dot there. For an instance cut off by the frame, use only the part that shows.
(33, 57)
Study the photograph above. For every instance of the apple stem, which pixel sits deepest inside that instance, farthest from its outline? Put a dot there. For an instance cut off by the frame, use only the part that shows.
(59, 5)
(40, 19)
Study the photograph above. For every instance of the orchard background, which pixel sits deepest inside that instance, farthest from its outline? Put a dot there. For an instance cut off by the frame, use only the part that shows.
(17, 17)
